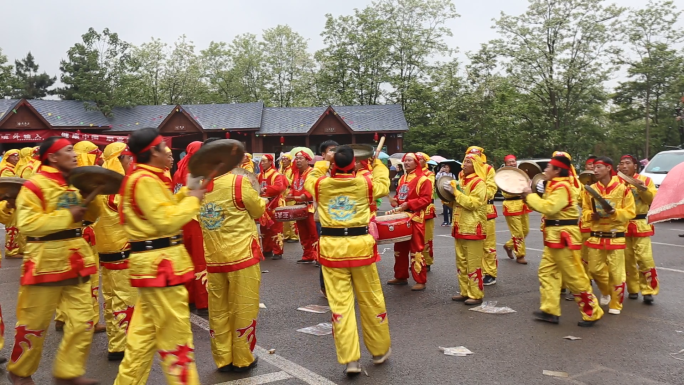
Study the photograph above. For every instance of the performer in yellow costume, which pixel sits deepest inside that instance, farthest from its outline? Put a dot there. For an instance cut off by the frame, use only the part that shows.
(114, 250)
(469, 229)
(640, 267)
(158, 264)
(15, 242)
(607, 239)
(348, 256)
(233, 254)
(489, 262)
(56, 269)
(87, 154)
(287, 170)
(247, 163)
(31, 166)
(516, 213)
(561, 262)
(25, 159)
(6, 213)
(430, 213)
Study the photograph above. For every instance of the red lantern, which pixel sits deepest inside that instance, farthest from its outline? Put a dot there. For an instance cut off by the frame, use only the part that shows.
(375, 137)
(282, 140)
(227, 134)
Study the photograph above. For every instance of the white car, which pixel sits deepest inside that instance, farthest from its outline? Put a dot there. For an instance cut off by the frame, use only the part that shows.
(661, 164)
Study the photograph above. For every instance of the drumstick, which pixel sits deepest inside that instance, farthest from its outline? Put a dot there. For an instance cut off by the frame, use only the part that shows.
(379, 149)
(211, 176)
(92, 195)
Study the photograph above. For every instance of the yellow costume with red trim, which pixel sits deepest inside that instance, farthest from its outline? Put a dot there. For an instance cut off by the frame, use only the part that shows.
(56, 268)
(289, 229)
(430, 215)
(113, 248)
(233, 254)
(248, 164)
(607, 239)
(272, 231)
(5, 215)
(516, 213)
(639, 265)
(561, 263)
(31, 166)
(469, 224)
(153, 217)
(15, 241)
(348, 262)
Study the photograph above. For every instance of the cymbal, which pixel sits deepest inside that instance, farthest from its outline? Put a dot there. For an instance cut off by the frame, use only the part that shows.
(511, 180)
(10, 186)
(252, 177)
(220, 157)
(362, 151)
(631, 181)
(530, 168)
(535, 181)
(442, 193)
(587, 177)
(88, 178)
(598, 198)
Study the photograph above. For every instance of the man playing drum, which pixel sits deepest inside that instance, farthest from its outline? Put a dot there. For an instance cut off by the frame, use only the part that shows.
(272, 184)
(639, 265)
(516, 213)
(414, 195)
(308, 235)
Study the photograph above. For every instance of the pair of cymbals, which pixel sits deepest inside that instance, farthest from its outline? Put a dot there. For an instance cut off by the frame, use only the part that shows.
(512, 180)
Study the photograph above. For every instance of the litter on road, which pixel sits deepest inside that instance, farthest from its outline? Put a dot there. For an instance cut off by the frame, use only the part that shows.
(322, 329)
(554, 374)
(262, 306)
(458, 351)
(572, 338)
(318, 309)
(490, 307)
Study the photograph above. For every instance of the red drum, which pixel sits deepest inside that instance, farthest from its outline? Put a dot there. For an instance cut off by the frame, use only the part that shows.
(291, 213)
(393, 228)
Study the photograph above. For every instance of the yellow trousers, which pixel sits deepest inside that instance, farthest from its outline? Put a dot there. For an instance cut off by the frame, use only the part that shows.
(289, 230)
(607, 267)
(233, 311)
(119, 302)
(519, 226)
(585, 254)
(489, 261)
(2, 331)
(564, 266)
(341, 285)
(429, 237)
(15, 242)
(640, 267)
(469, 267)
(61, 313)
(161, 324)
(35, 308)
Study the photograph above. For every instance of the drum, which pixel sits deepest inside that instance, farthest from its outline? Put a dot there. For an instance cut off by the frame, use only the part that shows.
(393, 228)
(291, 213)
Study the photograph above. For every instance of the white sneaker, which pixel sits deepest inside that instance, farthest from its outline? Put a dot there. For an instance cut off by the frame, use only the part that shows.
(613, 311)
(605, 300)
(377, 360)
(353, 368)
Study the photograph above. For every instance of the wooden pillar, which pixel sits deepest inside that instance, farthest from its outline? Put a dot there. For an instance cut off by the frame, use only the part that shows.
(353, 138)
(307, 142)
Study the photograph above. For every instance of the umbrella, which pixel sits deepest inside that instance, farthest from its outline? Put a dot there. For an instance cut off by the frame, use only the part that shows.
(438, 159)
(395, 161)
(432, 162)
(383, 155)
(669, 202)
(398, 155)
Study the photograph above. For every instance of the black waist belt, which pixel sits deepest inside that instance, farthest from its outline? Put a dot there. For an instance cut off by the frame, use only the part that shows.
(491, 202)
(87, 223)
(115, 257)
(601, 234)
(344, 232)
(511, 199)
(159, 243)
(58, 236)
(640, 216)
(561, 222)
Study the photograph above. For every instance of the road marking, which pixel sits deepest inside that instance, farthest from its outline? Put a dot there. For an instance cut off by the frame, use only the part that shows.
(260, 379)
(669, 269)
(666, 244)
(287, 366)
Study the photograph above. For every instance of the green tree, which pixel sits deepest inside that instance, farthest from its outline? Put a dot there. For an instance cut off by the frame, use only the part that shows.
(150, 59)
(247, 69)
(28, 83)
(181, 80)
(5, 76)
(98, 70)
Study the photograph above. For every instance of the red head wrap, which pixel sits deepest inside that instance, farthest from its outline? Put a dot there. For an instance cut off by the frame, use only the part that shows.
(612, 169)
(632, 158)
(305, 155)
(56, 146)
(348, 169)
(559, 164)
(509, 157)
(268, 156)
(590, 161)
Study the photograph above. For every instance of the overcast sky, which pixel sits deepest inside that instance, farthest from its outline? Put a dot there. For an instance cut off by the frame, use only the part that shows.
(48, 28)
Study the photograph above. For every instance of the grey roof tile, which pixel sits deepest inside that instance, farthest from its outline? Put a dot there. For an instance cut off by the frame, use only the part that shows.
(230, 116)
(389, 117)
(69, 113)
(293, 120)
(132, 118)
(6, 106)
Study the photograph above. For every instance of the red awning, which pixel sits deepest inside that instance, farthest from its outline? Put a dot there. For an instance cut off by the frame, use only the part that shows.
(36, 136)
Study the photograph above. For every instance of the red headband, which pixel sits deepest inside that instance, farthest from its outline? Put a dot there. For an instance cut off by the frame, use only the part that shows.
(559, 164)
(346, 169)
(127, 151)
(509, 157)
(305, 155)
(630, 157)
(596, 163)
(590, 161)
(56, 146)
(155, 142)
(268, 156)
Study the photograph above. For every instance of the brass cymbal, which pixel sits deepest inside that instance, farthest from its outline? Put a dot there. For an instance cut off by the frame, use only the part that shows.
(252, 177)
(530, 168)
(587, 177)
(442, 193)
(220, 156)
(607, 207)
(362, 151)
(511, 180)
(535, 181)
(10, 186)
(88, 178)
(632, 181)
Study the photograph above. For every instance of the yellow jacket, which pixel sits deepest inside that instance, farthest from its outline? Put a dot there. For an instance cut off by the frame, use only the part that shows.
(7, 171)
(639, 227)
(231, 240)
(492, 188)
(6, 214)
(514, 205)
(381, 185)
(620, 197)
(430, 211)
(344, 201)
(42, 210)
(470, 208)
(150, 211)
(558, 203)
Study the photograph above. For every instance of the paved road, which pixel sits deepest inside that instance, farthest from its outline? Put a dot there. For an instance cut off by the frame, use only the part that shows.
(632, 348)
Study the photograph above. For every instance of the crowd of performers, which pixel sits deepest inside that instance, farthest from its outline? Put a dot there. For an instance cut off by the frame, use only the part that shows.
(165, 243)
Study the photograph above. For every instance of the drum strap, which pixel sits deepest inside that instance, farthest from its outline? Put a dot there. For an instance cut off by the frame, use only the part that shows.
(344, 232)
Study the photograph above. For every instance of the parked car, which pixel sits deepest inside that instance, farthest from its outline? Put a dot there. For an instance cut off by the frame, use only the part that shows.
(542, 163)
(661, 164)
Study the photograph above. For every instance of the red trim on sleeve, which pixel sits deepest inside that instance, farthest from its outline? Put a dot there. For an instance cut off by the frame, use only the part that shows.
(36, 190)
(237, 186)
